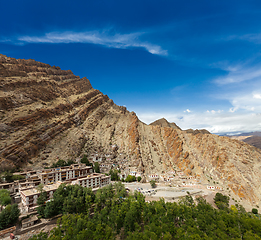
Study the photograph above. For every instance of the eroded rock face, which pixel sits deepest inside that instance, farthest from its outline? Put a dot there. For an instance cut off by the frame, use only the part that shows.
(37, 103)
(48, 113)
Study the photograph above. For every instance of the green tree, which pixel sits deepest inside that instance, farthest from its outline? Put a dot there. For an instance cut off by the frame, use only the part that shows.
(5, 198)
(70, 162)
(222, 201)
(130, 178)
(96, 167)
(112, 214)
(138, 178)
(114, 175)
(120, 190)
(240, 208)
(9, 216)
(51, 209)
(62, 163)
(86, 161)
(69, 199)
(153, 183)
(41, 202)
(40, 187)
(59, 163)
(254, 210)
(187, 200)
(8, 176)
(40, 236)
(18, 177)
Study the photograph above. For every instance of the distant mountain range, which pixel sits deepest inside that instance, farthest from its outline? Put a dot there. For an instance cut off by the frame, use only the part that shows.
(251, 134)
(252, 138)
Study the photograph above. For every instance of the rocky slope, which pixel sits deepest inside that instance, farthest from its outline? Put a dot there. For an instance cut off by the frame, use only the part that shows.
(48, 113)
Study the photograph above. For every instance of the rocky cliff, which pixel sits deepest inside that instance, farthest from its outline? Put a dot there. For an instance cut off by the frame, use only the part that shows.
(47, 113)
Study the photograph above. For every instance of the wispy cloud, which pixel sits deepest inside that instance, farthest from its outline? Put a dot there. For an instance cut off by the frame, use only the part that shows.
(255, 38)
(251, 37)
(248, 101)
(239, 74)
(214, 111)
(104, 38)
(241, 86)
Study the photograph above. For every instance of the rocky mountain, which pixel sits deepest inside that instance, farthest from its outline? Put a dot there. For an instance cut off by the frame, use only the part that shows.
(47, 113)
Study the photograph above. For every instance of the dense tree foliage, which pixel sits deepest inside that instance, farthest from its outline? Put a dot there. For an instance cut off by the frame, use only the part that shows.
(97, 167)
(9, 177)
(9, 216)
(62, 163)
(153, 183)
(86, 161)
(110, 214)
(5, 198)
(41, 202)
(114, 175)
(130, 178)
(222, 201)
(66, 199)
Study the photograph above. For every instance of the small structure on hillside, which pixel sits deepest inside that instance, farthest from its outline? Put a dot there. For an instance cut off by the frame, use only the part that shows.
(30, 221)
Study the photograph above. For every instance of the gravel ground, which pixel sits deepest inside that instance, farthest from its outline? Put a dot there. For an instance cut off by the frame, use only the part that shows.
(163, 190)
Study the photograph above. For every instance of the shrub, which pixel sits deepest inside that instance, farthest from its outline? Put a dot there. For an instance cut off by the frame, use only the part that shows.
(153, 183)
(62, 163)
(9, 216)
(5, 198)
(86, 161)
(114, 175)
(97, 167)
(222, 201)
(130, 178)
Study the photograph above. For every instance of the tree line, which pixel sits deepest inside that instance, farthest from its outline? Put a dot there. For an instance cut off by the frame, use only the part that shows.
(111, 214)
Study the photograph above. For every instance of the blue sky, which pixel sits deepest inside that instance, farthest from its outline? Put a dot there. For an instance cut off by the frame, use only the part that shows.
(196, 63)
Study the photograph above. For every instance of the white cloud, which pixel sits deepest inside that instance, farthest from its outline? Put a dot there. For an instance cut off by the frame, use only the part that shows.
(247, 101)
(214, 111)
(104, 38)
(220, 122)
(239, 74)
(242, 111)
(257, 96)
(256, 38)
(244, 90)
(233, 109)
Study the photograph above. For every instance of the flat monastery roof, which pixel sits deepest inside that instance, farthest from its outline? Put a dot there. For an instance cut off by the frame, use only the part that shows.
(63, 169)
(94, 175)
(47, 188)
